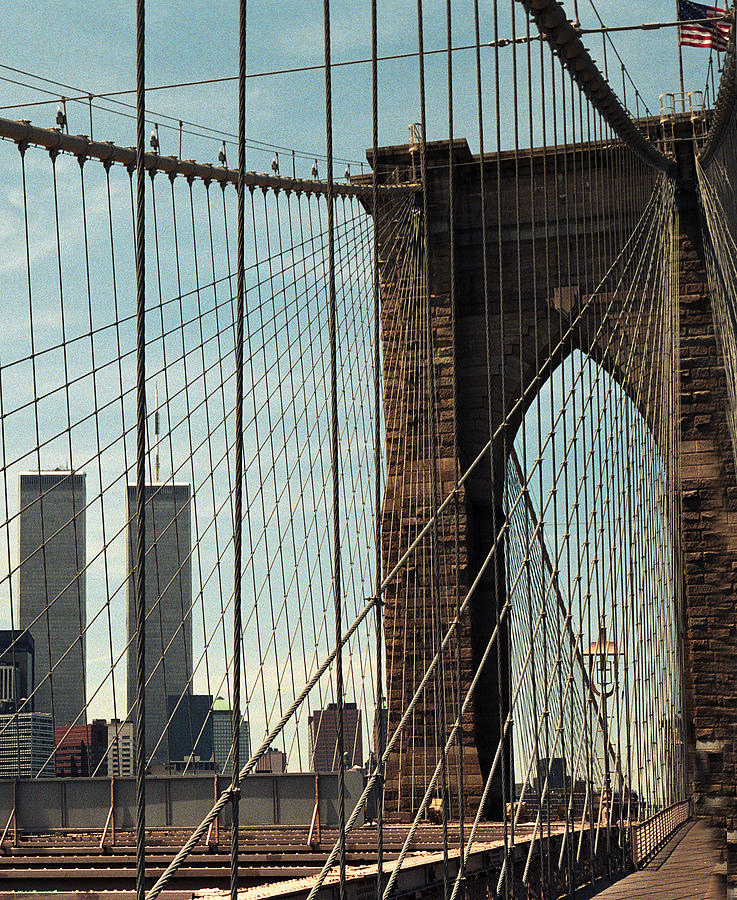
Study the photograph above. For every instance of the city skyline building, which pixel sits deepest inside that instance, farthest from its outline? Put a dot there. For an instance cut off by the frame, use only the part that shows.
(323, 734)
(81, 750)
(273, 761)
(16, 670)
(120, 745)
(190, 732)
(27, 745)
(554, 770)
(222, 738)
(168, 587)
(52, 588)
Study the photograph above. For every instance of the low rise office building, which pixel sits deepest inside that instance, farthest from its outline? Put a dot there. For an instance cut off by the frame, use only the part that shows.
(26, 745)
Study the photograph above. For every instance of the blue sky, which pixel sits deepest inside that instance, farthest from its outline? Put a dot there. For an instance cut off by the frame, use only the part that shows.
(91, 46)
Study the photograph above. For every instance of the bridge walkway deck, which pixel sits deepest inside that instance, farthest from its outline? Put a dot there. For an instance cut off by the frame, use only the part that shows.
(686, 869)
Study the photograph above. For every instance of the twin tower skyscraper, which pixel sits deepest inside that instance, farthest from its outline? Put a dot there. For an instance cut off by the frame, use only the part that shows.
(53, 588)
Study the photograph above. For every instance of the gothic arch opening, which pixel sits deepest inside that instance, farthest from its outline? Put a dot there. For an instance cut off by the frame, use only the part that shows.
(592, 589)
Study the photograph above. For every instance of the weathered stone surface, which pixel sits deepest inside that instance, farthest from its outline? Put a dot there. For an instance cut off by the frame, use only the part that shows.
(709, 493)
(531, 302)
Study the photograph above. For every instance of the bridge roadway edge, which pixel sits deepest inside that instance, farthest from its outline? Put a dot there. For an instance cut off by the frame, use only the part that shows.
(275, 863)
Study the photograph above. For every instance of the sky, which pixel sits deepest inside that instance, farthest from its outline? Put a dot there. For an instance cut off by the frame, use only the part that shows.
(89, 47)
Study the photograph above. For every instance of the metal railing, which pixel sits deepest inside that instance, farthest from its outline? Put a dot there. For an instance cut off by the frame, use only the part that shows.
(679, 104)
(650, 836)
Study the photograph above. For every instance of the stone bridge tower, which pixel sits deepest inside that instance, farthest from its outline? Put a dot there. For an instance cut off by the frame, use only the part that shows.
(530, 196)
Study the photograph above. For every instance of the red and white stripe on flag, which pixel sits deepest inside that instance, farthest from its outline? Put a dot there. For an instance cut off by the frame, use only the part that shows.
(704, 34)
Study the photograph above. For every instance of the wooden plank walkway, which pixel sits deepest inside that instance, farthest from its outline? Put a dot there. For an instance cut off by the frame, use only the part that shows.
(683, 870)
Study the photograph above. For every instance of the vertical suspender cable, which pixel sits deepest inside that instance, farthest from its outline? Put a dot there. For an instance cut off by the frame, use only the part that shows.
(430, 367)
(238, 499)
(488, 338)
(334, 461)
(379, 714)
(140, 452)
(456, 453)
(499, 528)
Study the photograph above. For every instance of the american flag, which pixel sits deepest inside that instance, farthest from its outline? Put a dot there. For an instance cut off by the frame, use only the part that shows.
(703, 34)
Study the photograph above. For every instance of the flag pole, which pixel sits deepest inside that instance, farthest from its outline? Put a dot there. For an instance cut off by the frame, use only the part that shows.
(680, 59)
(719, 59)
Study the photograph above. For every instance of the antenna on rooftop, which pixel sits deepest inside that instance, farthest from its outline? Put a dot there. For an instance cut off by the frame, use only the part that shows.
(157, 464)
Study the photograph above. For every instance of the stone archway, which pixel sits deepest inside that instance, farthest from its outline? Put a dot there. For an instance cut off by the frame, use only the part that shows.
(533, 325)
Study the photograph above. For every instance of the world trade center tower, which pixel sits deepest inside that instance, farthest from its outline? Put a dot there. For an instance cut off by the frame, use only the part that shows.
(52, 589)
(168, 586)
